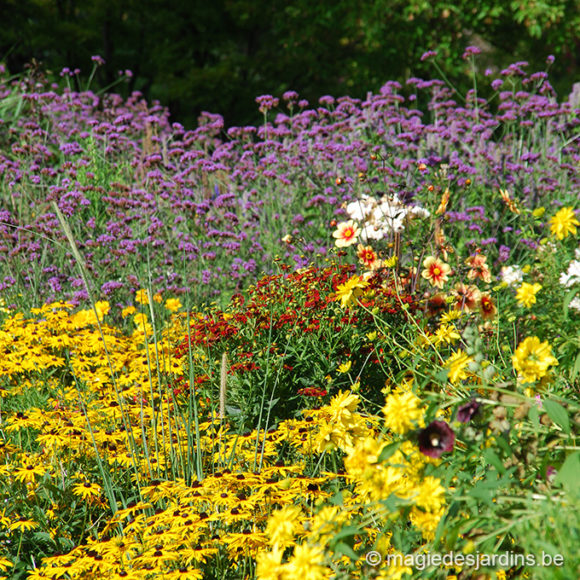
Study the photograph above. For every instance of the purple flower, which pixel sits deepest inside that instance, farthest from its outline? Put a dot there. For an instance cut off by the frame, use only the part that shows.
(471, 51)
(437, 438)
(290, 96)
(266, 102)
(467, 411)
(428, 54)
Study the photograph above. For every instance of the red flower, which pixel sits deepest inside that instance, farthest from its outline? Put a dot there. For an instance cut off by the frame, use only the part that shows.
(437, 438)
(312, 392)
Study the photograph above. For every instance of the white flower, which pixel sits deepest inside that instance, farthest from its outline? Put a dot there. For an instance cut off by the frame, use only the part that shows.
(575, 303)
(360, 209)
(572, 276)
(421, 212)
(381, 217)
(512, 275)
(372, 232)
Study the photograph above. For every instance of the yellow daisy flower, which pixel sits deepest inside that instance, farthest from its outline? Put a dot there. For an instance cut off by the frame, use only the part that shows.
(564, 223)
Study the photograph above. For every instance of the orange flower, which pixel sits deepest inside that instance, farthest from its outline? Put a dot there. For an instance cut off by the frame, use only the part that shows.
(443, 203)
(435, 271)
(466, 297)
(366, 255)
(436, 305)
(346, 234)
(487, 307)
(479, 268)
(511, 204)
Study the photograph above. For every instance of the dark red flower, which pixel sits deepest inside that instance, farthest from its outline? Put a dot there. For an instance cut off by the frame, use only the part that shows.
(312, 392)
(467, 411)
(437, 438)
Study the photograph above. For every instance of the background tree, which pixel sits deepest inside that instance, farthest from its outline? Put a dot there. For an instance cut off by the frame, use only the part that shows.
(218, 56)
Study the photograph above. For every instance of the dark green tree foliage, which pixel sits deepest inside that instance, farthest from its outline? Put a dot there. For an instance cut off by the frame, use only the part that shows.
(219, 55)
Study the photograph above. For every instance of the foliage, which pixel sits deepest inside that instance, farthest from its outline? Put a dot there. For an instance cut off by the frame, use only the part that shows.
(217, 56)
(398, 378)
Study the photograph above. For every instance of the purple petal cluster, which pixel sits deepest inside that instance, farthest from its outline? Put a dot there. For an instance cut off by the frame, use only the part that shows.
(204, 210)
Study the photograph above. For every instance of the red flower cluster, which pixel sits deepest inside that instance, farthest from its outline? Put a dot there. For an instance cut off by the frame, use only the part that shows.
(294, 304)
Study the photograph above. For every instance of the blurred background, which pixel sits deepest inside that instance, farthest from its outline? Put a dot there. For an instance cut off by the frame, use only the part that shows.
(219, 55)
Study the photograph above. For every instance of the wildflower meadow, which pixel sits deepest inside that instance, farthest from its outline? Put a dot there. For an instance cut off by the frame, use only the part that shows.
(341, 344)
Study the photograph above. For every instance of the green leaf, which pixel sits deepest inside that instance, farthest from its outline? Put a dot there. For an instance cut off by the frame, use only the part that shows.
(558, 414)
(388, 451)
(494, 460)
(337, 499)
(576, 369)
(534, 415)
(342, 548)
(569, 474)
(348, 532)
(503, 443)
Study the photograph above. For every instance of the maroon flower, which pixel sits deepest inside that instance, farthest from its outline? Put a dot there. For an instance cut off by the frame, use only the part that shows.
(467, 411)
(437, 438)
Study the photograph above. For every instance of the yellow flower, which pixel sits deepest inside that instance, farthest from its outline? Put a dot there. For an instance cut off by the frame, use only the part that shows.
(173, 304)
(451, 316)
(351, 289)
(346, 234)
(29, 472)
(345, 367)
(532, 359)
(306, 563)
(430, 495)
(456, 364)
(426, 522)
(102, 307)
(5, 564)
(564, 223)
(23, 524)
(283, 525)
(128, 311)
(402, 411)
(141, 297)
(342, 406)
(446, 334)
(526, 294)
(268, 564)
(87, 491)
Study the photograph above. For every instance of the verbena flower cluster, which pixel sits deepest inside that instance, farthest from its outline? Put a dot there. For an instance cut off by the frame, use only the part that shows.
(395, 372)
(204, 210)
